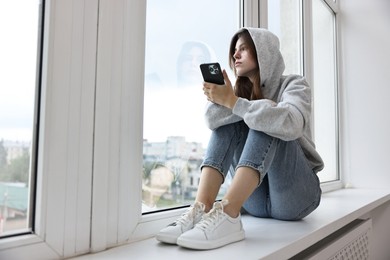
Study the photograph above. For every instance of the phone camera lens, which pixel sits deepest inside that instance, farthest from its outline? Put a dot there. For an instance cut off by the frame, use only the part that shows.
(213, 69)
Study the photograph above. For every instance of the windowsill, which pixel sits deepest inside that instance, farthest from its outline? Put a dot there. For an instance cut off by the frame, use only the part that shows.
(267, 238)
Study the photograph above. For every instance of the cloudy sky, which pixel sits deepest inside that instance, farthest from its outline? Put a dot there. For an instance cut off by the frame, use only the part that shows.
(18, 45)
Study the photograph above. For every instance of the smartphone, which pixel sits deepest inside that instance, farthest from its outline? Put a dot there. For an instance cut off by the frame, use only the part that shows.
(212, 73)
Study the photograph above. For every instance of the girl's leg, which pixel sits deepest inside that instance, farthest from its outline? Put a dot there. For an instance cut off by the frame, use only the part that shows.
(294, 189)
(289, 190)
(243, 184)
(209, 185)
(224, 145)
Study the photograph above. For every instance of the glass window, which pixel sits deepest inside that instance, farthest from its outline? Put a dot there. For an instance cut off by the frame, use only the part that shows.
(284, 19)
(175, 136)
(325, 88)
(18, 51)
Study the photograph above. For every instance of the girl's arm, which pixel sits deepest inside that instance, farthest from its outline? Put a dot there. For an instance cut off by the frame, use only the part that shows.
(217, 115)
(285, 119)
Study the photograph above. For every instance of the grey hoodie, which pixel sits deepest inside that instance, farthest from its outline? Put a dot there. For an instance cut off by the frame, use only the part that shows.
(285, 111)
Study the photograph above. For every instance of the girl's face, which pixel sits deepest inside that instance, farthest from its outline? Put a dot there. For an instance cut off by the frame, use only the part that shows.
(244, 62)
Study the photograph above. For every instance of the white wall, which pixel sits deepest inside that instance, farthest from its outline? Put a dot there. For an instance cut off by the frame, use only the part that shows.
(365, 92)
(365, 104)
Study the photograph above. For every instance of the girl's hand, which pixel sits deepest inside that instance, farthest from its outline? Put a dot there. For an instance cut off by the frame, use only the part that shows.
(221, 94)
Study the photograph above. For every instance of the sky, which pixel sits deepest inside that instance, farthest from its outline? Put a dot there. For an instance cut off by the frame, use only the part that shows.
(18, 50)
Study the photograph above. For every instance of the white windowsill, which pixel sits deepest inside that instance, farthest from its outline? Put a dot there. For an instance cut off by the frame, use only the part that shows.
(267, 238)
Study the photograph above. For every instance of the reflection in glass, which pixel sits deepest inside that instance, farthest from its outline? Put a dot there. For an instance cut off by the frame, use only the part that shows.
(175, 135)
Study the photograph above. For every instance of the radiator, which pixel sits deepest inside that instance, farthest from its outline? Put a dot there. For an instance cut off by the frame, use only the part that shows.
(352, 242)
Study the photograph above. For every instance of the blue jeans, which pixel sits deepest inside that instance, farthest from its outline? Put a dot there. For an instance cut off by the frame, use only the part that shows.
(288, 190)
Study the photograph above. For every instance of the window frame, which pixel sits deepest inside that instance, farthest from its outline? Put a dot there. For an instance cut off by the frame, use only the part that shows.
(89, 188)
(308, 72)
(61, 225)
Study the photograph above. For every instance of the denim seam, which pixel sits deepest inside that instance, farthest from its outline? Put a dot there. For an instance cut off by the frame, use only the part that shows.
(308, 209)
(304, 156)
(258, 167)
(217, 166)
(205, 164)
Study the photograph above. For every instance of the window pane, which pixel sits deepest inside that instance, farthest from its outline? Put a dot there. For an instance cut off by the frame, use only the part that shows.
(284, 19)
(324, 88)
(180, 35)
(18, 52)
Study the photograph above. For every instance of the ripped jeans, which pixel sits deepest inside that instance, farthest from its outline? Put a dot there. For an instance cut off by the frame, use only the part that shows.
(288, 189)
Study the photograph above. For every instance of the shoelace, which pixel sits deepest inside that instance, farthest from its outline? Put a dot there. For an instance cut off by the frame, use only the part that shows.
(190, 214)
(210, 219)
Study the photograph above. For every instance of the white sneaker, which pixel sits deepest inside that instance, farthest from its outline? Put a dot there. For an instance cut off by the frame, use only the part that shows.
(186, 222)
(216, 229)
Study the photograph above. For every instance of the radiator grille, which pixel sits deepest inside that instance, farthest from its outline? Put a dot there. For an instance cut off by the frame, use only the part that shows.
(352, 242)
(356, 250)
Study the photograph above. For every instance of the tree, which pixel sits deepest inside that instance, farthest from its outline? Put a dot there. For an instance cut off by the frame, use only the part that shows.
(3, 156)
(19, 168)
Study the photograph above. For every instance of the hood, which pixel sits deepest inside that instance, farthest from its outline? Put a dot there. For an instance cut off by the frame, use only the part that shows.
(270, 60)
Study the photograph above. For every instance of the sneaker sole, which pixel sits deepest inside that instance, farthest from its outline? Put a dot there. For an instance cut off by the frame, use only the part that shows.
(211, 244)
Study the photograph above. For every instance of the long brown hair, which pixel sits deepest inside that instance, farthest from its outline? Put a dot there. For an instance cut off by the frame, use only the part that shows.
(244, 87)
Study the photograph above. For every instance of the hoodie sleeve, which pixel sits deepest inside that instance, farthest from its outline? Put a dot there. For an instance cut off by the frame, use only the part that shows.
(217, 115)
(286, 119)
